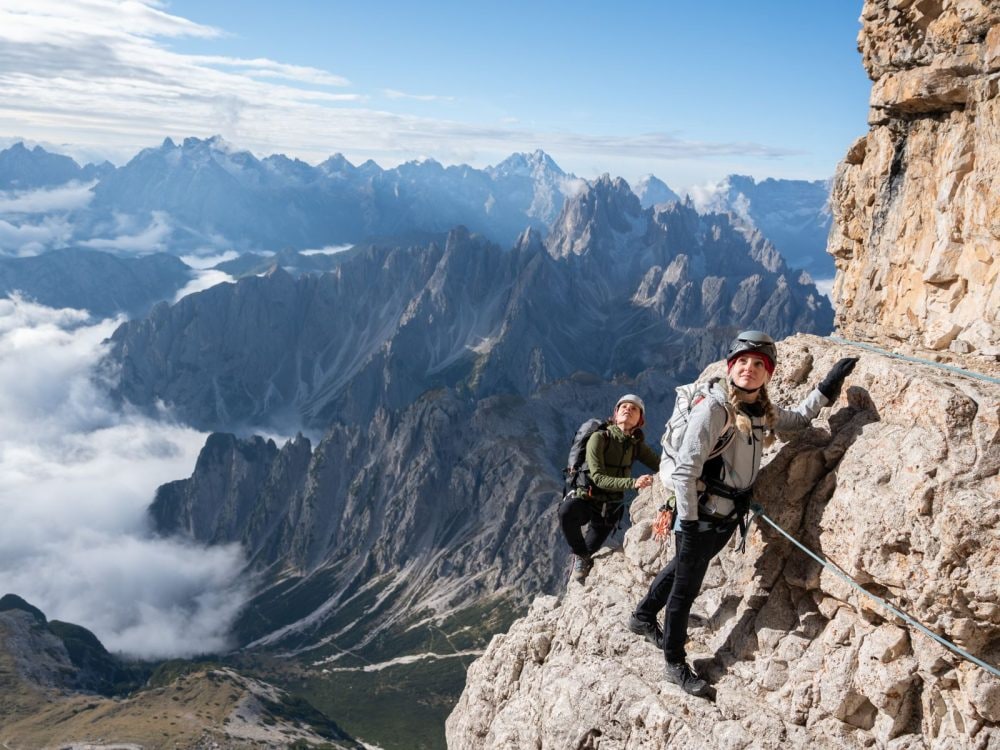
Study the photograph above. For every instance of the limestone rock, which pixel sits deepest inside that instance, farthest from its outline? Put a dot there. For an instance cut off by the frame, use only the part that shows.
(916, 234)
(897, 484)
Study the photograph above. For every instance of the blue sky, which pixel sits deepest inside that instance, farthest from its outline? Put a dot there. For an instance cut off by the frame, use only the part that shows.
(689, 92)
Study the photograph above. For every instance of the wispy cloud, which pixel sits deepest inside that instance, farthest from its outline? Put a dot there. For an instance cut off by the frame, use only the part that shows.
(328, 250)
(47, 200)
(35, 236)
(148, 239)
(76, 478)
(394, 94)
(203, 279)
(209, 258)
(99, 73)
(263, 68)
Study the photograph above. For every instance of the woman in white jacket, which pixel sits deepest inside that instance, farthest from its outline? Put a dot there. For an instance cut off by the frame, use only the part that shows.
(713, 494)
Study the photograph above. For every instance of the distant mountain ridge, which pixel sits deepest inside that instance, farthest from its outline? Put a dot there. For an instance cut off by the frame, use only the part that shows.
(22, 168)
(793, 214)
(212, 190)
(99, 282)
(205, 194)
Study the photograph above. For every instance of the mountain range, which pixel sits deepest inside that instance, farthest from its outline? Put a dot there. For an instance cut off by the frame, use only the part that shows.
(441, 382)
(205, 195)
(614, 290)
(434, 372)
(99, 282)
(22, 168)
(793, 214)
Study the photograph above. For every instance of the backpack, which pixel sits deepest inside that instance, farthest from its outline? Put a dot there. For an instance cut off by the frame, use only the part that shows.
(689, 396)
(576, 473)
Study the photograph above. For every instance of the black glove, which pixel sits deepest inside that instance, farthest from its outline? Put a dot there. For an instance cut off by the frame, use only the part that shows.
(830, 387)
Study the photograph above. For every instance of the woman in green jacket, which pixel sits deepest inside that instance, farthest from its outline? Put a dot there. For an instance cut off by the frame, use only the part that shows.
(600, 503)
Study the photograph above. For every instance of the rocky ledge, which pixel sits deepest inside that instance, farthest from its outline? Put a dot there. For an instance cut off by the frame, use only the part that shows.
(898, 486)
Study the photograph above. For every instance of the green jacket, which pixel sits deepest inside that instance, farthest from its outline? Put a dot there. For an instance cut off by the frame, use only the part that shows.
(610, 454)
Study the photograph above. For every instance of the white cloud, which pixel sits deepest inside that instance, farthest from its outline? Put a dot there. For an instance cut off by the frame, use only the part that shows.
(263, 68)
(149, 239)
(328, 250)
(708, 196)
(98, 73)
(825, 286)
(571, 187)
(76, 478)
(203, 279)
(67, 197)
(26, 238)
(210, 259)
(394, 94)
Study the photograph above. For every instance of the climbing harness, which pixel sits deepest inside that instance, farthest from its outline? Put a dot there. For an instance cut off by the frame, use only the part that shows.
(918, 360)
(759, 512)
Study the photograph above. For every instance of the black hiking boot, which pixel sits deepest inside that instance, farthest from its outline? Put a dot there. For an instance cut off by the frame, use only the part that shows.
(650, 630)
(581, 568)
(681, 674)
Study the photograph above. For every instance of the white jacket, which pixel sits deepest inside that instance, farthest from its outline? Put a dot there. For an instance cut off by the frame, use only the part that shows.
(740, 458)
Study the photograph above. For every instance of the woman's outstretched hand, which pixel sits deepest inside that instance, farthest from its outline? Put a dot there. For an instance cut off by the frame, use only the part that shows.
(834, 380)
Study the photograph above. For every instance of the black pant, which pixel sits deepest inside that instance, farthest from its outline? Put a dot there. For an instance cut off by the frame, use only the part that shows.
(575, 513)
(678, 584)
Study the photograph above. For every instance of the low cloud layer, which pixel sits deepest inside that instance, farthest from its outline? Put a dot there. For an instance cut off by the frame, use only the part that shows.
(24, 227)
(76, 478)
(67, 197)
(149, 238)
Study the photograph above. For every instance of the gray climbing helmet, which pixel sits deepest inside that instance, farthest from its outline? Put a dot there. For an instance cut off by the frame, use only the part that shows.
(756, 342)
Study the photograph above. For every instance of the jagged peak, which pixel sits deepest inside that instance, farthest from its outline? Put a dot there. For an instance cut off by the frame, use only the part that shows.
(529, 239)
(458, 236)
(653, 191)
(423, 162)
(339, 163)
(526, 164)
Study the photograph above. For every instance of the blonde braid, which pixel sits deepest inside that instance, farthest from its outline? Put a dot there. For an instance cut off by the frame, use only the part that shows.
(743, 423)
(770, 416)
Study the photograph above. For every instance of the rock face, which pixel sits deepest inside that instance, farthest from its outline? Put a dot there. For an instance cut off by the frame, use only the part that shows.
(897, 484)
(916, 233)
(420, 503)
(54, 654)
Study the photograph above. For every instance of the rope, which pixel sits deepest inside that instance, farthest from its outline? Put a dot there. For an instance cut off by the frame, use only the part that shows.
(918, 360)
(837, 570)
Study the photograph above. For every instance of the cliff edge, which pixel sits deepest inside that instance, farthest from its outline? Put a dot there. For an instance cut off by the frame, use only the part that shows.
(916, 220)
(897, 484)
